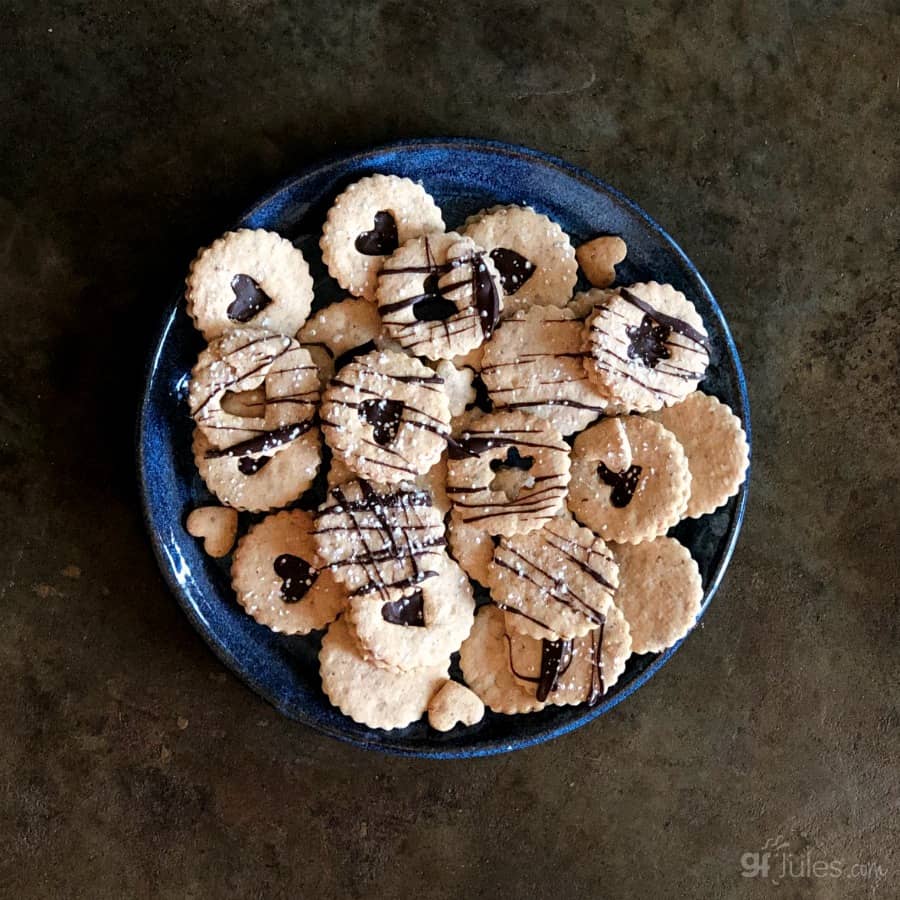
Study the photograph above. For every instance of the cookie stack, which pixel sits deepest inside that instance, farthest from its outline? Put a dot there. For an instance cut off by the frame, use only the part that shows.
(484, 423)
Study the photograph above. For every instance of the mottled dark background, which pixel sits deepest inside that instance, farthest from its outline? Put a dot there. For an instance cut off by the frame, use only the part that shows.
(763, 135)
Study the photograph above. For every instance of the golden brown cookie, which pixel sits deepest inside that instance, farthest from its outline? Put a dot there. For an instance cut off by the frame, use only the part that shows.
(379, 541)
(630, 504)
(216, 525)
(647, 346)
(716, 447)
(386, 416)
(561, 578)
(598, 259)
(276, 579)
(454, 704)
(660, 592)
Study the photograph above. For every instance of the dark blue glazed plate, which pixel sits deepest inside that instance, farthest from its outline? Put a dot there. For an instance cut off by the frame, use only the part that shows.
(463, 176)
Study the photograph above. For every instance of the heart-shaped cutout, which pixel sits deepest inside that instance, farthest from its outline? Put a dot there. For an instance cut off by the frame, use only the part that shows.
(384, 416)
(514, 268)
(216, 525)
(408, 611)
(249, 299)
(433, 306)
(382, 240)
(297, 577)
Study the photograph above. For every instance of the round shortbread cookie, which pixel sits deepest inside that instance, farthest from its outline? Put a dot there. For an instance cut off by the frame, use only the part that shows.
(379, 542)
(387, 416)
(439, 296)
(379, 698)
(533, 255)
(660, 592)
(576, 671)
(507, 473)
(275, 577)
(454, 704)
(561, 578)
(420, 629)
(535, 365)
(485, 660)
(368, 222)
(249, 277)
(236, 366)
(634, 503)
(716, 447)
(647, 347)
(339, 333)
(472, 547)
(584, 303)
(259, 478)
(598, 259)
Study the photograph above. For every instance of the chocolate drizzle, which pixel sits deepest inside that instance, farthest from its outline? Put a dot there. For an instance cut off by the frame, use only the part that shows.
(596, 688)
(487, 297)
(514, 268)
(432, 305)
(677, 325)
(249, 299)
(648, 341)
(297, 576)
(384, 416)
(267, 440)
(250, 465)
(623, 483)
(407, 611)
(382, 240)
(349, 355)
(556, 657)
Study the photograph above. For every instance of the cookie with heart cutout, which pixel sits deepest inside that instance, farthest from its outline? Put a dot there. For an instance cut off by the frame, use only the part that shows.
(369, 220)
(271, 381)
(276, 579)
(634, 502)
(252, 278)
(533, 255)
(386, 416)
(380, 541)
(507, 473)
(536, 365)
(570, 672)
(647, 346)
(561, 578)
(439, 296)
(422, 628)
(369, 694)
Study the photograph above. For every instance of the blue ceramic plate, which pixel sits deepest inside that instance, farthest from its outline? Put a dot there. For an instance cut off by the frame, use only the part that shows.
(463, 176)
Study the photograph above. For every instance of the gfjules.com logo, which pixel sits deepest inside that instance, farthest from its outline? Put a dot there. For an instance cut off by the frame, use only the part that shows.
(776, 863)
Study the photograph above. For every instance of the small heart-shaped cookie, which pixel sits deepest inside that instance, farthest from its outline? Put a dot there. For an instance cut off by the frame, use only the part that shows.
(217, 525)
(598, 259)
(454, 704)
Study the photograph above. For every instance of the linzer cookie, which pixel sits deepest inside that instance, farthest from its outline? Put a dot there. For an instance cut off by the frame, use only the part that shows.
(533, 255)
(535, 365)
(561, 578)
(339, 333)
(660, 592)
(262, 473)
(419, 629)
(249, 277)
(276, 579)
(439, 296)
(486, 662)
(569, 672)
(370, 695)
(368, 222)
(507, 473)
(272, 370)
(716, 447)
(379, 542)
(647, 346)
(386, 415)
(628, 503)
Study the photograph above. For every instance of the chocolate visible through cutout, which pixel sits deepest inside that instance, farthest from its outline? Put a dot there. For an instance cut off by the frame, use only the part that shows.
(384, 416)
(382, 240)
(648, 341)
(408, 611)
(623, 484)
(297, 576)
(249, 299)
(514, 268)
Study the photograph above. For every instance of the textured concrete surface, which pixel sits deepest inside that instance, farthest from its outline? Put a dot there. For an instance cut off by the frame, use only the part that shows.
(764, 135)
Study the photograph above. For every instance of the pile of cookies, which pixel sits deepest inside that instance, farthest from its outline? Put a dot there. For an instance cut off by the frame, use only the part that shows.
(481, 422)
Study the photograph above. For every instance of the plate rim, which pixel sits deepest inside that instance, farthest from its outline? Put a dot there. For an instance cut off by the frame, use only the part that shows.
(230, 660)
